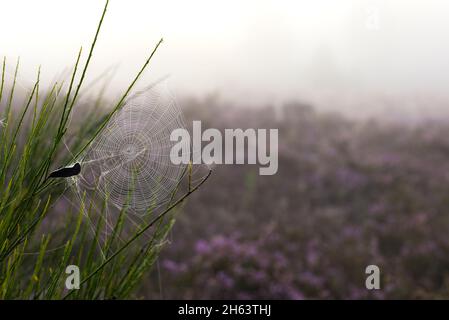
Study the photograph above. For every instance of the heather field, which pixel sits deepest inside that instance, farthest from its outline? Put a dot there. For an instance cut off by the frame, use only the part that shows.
(348, 194)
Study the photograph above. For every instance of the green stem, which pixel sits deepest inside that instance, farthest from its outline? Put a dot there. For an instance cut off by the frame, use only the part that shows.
(138, 234)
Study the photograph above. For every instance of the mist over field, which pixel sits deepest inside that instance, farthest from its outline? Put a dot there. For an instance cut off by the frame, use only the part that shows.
(358, 57)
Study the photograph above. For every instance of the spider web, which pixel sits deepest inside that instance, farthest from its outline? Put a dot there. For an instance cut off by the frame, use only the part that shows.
(128, 165)
(129, 162)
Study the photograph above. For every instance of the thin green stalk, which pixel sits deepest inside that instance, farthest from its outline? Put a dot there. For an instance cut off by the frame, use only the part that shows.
(3, 78)
(119, 104)
(143, 230)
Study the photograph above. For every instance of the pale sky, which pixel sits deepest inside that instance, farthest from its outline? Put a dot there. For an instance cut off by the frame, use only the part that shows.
(249, 51)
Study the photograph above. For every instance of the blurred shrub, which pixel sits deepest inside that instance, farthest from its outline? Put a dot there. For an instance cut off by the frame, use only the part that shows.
(347, 194)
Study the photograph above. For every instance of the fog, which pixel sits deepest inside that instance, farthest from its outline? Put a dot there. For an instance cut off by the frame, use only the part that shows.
(353, 56)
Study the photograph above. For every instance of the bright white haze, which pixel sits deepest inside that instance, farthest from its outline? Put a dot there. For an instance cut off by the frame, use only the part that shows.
(354, 56)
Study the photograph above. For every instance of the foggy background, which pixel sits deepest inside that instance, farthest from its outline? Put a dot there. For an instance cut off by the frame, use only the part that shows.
(349, 192)
(359, 57)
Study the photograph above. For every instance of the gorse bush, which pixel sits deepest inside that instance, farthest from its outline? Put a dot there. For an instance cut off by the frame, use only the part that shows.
(36, 247)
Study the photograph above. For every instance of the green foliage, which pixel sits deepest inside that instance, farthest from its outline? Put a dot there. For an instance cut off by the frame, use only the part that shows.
(33, 258)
